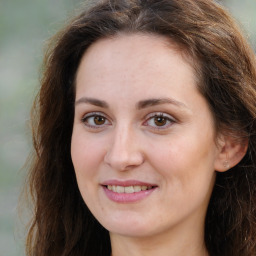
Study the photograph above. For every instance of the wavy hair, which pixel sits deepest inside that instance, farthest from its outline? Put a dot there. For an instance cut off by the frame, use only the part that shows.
(225, 66)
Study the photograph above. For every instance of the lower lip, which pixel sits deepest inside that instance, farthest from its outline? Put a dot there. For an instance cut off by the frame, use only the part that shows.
(127, 197)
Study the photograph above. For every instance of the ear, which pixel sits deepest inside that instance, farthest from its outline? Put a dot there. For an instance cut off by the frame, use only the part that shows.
(230, 152)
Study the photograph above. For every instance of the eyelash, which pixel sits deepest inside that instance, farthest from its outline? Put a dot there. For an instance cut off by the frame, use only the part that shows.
(86, 118)
(167, 118)
(151, 117)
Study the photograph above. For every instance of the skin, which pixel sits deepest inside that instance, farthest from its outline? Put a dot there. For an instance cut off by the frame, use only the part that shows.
(179, 154)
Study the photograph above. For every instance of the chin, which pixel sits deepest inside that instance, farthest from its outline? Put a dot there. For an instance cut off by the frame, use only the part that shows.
(130, 232)
(128, 227)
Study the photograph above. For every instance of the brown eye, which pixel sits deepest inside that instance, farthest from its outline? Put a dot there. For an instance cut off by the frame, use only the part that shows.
(99, 120)
(95, 120)
(160, 121)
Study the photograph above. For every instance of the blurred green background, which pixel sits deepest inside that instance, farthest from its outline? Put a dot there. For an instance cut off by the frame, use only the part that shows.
(25, 25)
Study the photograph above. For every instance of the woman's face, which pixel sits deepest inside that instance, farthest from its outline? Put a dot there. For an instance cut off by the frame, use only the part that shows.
(143, 143)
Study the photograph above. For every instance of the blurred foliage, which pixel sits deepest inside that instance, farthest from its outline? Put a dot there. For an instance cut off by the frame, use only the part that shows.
(245, 14)
(25, 25)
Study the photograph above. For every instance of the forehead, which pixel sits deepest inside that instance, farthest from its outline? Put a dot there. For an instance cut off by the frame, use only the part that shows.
(136, 56)
(128, 69)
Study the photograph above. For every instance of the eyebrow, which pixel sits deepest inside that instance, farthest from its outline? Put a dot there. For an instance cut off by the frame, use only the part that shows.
(92, 101)
(159, 101)
(140, 105)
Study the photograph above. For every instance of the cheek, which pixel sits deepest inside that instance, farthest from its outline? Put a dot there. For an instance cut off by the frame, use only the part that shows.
(184, 162)
(86, 160)
(86, 156)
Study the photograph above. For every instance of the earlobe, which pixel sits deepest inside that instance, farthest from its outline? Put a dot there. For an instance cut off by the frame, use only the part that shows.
(231, 152)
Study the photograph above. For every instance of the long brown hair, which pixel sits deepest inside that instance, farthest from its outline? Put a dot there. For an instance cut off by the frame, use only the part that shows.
(226, 71)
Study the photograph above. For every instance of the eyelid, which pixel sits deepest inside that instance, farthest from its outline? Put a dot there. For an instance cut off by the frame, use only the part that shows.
(169, 117)
(159, 113)
(92, 114)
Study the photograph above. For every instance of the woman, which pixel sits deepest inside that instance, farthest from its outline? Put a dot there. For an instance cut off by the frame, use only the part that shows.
(145, 143)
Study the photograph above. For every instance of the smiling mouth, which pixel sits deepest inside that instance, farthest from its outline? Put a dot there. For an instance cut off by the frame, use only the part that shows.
(128, 189)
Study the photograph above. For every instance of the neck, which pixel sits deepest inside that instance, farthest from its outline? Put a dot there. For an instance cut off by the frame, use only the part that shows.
(176, 243)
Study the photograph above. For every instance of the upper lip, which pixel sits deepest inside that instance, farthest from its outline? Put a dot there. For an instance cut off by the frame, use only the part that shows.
(127, 183)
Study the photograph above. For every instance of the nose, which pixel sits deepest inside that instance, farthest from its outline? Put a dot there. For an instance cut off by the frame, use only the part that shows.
(124, 152)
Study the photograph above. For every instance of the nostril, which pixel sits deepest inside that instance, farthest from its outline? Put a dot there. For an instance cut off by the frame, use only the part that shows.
(123, 161)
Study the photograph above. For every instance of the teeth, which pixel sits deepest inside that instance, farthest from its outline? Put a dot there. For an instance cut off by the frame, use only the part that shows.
(129, 189)
(119, 189)
(144, 188)
(137, 188)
